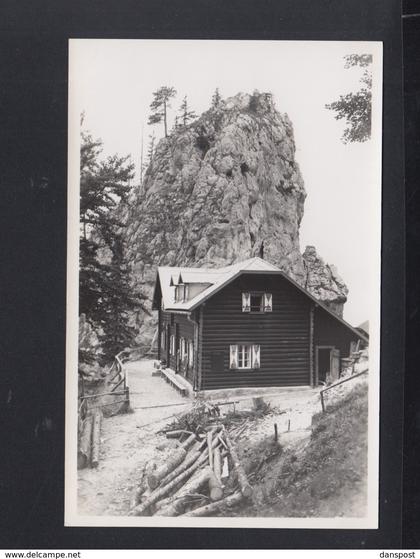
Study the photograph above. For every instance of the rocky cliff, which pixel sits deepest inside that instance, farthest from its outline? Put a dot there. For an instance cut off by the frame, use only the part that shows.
(222, 189)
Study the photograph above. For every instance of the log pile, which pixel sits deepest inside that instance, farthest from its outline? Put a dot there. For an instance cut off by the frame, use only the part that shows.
(89, 441)
(202, 477)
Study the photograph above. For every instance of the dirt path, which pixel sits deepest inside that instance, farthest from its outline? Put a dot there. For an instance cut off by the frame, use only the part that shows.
(128, 441)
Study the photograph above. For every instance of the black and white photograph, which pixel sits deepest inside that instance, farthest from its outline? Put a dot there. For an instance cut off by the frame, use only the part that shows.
(223, 284)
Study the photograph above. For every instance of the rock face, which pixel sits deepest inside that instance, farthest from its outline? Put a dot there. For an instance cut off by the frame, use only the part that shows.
(323, 281)
(223, 189)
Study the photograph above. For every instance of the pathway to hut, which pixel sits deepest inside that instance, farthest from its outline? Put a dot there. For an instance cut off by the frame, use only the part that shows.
(127, 442)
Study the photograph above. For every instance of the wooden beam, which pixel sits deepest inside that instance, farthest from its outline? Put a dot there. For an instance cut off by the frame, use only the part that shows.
(311, 346)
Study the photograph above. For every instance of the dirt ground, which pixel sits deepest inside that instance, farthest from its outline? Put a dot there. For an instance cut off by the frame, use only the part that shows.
(130, 440)
(127, 442)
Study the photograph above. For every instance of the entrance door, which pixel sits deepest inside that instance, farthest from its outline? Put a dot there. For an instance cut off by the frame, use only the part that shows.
(335, 364)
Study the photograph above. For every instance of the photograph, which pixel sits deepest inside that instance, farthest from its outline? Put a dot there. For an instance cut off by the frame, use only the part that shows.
(223, 283)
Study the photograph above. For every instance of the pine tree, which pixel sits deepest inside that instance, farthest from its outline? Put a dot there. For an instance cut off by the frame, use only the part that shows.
(160, 106)
(105, 296)
(151, 148)
(185, 113)
(216, 99)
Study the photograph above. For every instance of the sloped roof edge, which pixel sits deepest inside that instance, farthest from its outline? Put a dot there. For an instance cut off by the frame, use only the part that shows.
(216, 288)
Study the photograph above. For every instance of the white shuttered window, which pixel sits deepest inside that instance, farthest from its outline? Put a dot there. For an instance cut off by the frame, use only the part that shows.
(244, 356)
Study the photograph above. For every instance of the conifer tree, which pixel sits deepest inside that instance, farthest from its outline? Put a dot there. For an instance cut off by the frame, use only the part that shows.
(105, 295)
(186, 114)
(216, 99)
(160, 105)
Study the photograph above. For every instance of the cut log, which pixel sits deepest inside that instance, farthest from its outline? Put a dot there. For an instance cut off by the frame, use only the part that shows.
(189, 442)
(191, 457)
(165, 490)
(84, 453)
(217, 463)
(177, 433)
(246, 489)
(212, 508)
(215, 487)
(141, 487)
(209, 441)
(96, 438)
(176, 504)
(225, 469)
(173, 461)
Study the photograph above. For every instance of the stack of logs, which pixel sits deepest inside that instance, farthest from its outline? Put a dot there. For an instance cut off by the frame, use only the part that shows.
(190, 482)
(89, 441)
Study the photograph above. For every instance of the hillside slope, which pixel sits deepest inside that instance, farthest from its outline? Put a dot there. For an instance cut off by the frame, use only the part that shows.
(328, 478)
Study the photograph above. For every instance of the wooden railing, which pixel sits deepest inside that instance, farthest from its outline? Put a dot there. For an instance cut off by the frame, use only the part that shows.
(322, 392)
(119, 387)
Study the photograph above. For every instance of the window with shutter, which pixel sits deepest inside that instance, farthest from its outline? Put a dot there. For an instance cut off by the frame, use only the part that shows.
(172, 345)
(233, 359)
(244, 356)
(255, 356)
(268, 302)
(190, 354)
(246, 302)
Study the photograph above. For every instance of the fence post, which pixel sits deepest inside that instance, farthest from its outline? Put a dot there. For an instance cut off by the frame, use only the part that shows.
(322, 400)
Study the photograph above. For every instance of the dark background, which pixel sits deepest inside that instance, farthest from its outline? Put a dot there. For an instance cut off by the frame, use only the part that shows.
(33, 177)
(411, 503)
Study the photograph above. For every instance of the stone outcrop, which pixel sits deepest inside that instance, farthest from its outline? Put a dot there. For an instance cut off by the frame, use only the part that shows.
(220, 190)
(323, 281)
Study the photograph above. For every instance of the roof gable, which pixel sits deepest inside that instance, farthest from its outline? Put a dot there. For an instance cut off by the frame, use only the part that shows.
(218, 278)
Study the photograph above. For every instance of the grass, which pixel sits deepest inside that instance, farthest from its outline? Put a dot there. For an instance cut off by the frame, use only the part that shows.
(328, 478)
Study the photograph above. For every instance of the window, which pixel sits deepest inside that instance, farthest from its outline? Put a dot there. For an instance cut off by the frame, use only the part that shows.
(172, 345)
(182, 348)
(257, 302)
(244, 356)
(181, 293)
(190, 354)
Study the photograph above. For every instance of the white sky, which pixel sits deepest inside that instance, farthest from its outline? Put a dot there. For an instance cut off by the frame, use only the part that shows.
(113, 82)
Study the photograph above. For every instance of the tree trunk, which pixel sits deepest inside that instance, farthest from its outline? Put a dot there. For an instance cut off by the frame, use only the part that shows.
(174, 460)
(217, 463)
(215, 487)
(176, 503)
(84, 453)
(212, 508)
(96, 438)
(246, 489)
(209, 439)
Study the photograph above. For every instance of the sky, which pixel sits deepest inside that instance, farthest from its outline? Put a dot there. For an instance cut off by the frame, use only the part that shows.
(112, 81)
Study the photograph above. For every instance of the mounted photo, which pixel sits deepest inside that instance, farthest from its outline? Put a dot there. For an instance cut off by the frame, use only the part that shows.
(223, 310)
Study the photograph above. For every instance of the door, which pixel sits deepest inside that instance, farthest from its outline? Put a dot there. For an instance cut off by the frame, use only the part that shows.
(335, 364)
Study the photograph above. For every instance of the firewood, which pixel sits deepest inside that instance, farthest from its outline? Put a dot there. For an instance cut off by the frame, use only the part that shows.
(191, 457)
(173, 461)
(189, 442)
(165, 490)
(217, 463)
(177, 433)
(246, 489)
(141, 487)
(96, 438)
(209, 440)
(215, 487)
(84, 453)
(225, 468)
(212, 508)
(175, 505)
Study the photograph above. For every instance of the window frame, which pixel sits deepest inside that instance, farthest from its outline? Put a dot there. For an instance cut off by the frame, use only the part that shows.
(172, 343)
(253, 351)
(241, 350)
(262, 307)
